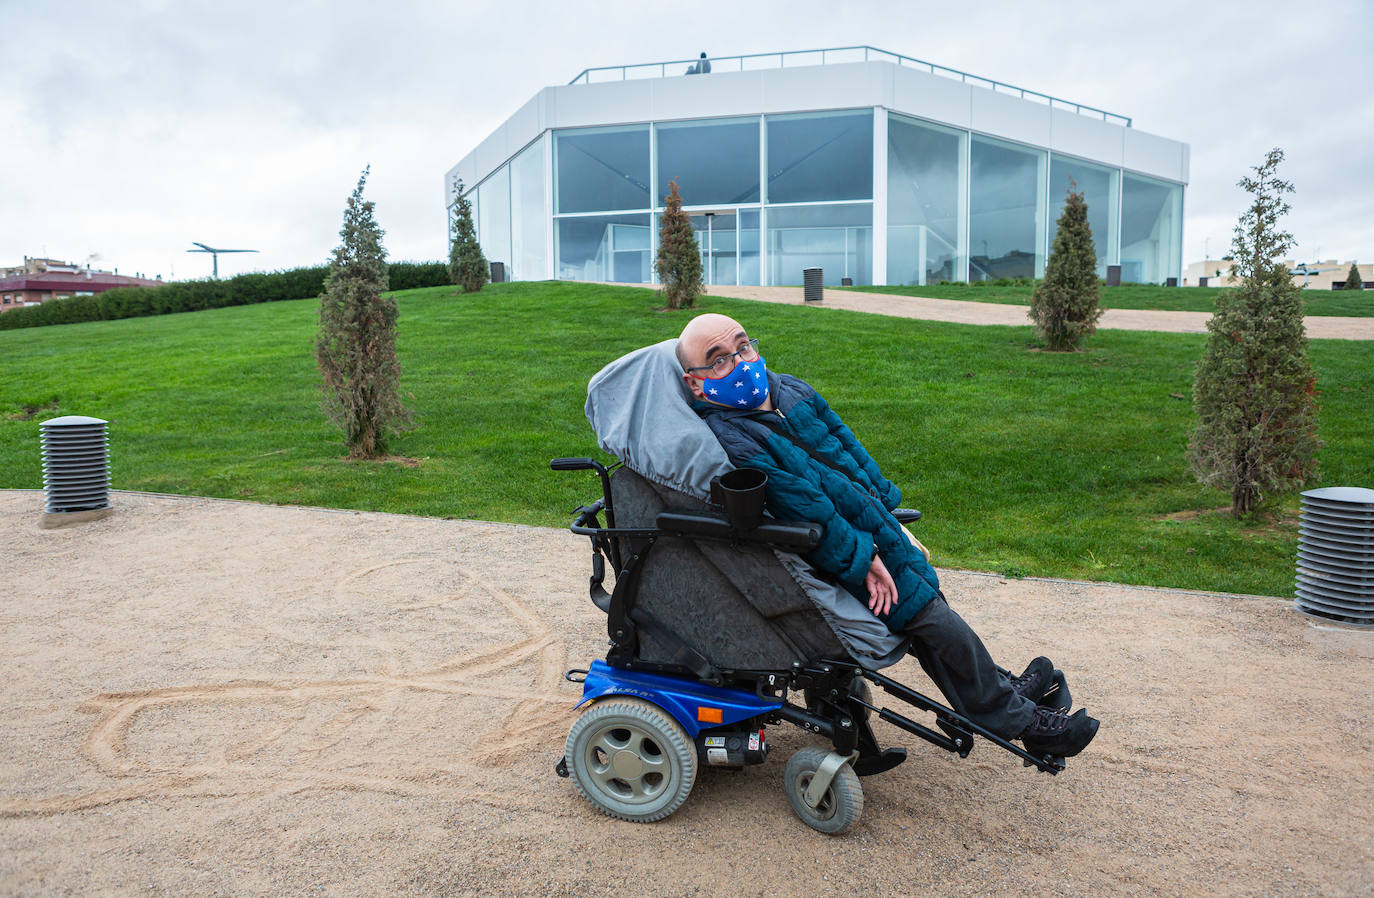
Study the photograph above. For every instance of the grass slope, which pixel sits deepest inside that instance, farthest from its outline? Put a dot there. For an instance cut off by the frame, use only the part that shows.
(1359, 304)
(1027, 462)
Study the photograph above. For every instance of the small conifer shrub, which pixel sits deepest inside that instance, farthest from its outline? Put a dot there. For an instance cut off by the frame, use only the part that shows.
(356, 344)
(679, 260)
(1067, 303)
(1254, 392)
(466, 264)
(1353, 280)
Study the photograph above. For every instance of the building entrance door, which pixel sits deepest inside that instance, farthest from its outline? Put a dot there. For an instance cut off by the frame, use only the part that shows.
(728, 240)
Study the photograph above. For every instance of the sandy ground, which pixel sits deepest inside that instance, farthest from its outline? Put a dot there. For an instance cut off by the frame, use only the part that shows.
(962, 312)
(210, 697)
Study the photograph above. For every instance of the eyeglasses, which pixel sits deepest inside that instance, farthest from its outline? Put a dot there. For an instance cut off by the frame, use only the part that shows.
(724, 364)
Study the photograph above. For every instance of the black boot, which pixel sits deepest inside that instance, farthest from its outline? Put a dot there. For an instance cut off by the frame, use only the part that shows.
(1036, 681)
(1058, 735)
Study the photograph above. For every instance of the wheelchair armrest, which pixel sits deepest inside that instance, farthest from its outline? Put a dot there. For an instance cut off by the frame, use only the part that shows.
(790, 536)
(906, 515)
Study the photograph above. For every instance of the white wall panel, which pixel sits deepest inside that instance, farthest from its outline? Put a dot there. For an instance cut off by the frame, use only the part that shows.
(1078, 135)
(606, 103)
(489, 154)
(1010, 117)
(931, 97)
(521, 128)
(1152, 155)
(826, 87)
(704, 96)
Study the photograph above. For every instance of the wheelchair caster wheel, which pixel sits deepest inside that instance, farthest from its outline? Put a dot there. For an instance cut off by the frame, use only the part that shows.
(631, 760)
(839, 806)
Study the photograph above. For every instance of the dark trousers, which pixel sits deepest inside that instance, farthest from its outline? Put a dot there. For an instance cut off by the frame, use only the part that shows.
(955, 658)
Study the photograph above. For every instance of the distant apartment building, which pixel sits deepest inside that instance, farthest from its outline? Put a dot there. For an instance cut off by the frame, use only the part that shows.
(1325, 275)
(40, 280)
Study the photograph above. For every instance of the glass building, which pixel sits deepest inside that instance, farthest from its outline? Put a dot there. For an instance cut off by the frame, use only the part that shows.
(871, 166)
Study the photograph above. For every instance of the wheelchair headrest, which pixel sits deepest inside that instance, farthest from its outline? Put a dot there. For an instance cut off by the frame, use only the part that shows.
(639, 408)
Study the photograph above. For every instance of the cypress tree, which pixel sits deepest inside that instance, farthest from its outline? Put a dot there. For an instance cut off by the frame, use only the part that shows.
(1067, 303)
(466, 264)
(679, 261)
(1353, 280)
(356, 344)
(1255, 390)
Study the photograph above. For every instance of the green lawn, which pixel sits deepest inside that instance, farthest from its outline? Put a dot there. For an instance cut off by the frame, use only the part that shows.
(1065, 465)
(1135, 296)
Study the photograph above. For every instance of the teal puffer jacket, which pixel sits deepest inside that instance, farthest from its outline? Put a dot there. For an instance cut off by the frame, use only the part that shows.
(853, 503)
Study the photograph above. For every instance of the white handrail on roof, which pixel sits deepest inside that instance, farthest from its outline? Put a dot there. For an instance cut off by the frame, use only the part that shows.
(751, 61)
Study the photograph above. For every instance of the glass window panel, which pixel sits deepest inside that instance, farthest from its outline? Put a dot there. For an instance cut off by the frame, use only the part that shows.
(1006, 211)
(837, 239)
(749, 269)
(605, 248)
(925, 202)
(493, 196)
(602, 169)
(714, 162)
(1098, 186)
(820, 156)
(1151, 229)
(528, 216)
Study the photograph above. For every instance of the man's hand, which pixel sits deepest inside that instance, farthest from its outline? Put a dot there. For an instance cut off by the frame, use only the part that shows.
(882, 592)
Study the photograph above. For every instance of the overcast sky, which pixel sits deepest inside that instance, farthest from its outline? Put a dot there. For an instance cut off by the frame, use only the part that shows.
(134, 128)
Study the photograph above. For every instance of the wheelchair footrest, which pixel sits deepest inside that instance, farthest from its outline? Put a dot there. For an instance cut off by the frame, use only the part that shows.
(867, 766)
(1055, 760)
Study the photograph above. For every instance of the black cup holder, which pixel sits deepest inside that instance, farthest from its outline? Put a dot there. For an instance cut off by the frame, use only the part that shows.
(741, 494)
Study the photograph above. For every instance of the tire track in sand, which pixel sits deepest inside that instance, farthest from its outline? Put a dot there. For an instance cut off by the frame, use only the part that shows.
(537, 711)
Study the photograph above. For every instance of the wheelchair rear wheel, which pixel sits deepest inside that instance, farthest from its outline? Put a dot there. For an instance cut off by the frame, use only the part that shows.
(839, 807)
(631, 759)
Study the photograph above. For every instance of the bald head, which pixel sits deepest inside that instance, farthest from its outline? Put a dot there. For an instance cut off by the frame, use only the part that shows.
(707, 336)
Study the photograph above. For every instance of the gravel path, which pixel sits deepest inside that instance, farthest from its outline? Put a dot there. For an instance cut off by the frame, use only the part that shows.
(962, 312)
(213, 697)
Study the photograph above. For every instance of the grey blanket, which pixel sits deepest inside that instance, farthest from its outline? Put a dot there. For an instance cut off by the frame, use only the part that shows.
(638, 407)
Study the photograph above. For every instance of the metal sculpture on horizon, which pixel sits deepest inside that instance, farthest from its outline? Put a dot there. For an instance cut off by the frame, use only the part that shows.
(214, 254)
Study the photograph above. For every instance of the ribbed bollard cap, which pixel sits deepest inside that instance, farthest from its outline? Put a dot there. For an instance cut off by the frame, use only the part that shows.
(72, 421)
(1356, 495)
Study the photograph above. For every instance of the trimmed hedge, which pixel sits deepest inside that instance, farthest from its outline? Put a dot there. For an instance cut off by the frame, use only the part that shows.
(413, 275)
(191, 296)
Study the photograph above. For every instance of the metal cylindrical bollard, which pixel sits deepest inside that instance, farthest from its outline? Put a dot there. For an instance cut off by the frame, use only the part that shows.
(1335, 576)
(76, 468)
(812, 279)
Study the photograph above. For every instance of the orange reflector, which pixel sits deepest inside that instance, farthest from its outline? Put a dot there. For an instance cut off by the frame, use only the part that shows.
(708, 715)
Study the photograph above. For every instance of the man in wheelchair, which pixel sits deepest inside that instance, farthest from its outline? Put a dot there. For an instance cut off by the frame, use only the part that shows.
(819, 471)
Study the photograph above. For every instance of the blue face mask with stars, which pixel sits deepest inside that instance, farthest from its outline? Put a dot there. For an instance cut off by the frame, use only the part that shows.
(744, 387)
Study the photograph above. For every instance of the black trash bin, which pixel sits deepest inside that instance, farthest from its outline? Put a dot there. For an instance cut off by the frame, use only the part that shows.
(812, 279)
(498, 272)
(1113, 275)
